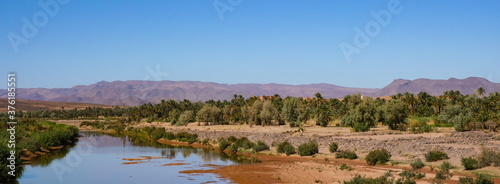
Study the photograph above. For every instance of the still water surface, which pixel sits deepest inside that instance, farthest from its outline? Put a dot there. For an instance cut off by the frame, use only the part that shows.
(99, 158)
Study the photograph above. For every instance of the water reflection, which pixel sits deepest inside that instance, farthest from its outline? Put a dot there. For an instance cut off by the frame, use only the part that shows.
(105, 158)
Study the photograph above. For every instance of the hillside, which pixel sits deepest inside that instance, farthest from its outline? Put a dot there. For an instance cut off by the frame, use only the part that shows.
(32, 105)
(138, 92)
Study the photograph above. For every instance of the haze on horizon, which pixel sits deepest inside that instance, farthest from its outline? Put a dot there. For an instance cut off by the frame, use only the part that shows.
(285, 42)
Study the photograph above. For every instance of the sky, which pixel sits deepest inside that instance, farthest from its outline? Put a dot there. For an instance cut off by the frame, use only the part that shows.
(60, 44)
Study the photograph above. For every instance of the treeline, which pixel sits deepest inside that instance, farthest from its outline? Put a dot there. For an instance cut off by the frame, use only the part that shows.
(402, 112)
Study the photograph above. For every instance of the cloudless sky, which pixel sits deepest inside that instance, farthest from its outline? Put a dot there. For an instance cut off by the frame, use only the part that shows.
(259, 41)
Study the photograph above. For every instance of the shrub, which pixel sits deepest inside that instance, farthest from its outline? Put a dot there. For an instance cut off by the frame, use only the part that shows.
(333, 147)
(486, 157)
(169, 136)
(244, 143)
(417, 164)
(346, 154)
(378, 156)
(233, 148)
(358, 179)
(444, 172)
(232, 139)
(360, 127)
(345, 166)
(205, 141)
(223, 144)
(446, 166)
(432, 156)
(286, 147)
(470, 163)
(260, 146)
(157, 133)
(407, 177)
(192, 139)
(496, 160)
(308, 149)
(481, 179)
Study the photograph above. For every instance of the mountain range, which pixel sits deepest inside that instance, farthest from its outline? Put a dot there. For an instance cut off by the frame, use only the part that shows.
(133, 93)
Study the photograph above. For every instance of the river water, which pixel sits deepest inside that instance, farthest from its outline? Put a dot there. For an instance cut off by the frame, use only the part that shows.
(101, 158)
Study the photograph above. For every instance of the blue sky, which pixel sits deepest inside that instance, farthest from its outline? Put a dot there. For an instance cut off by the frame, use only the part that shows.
(281, 41)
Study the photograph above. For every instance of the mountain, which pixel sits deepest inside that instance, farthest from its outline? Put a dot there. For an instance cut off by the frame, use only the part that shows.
(138, 92)
(31, 105)
(437, 87)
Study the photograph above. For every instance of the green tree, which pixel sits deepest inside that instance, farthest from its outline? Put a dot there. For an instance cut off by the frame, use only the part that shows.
(480, 91)
(267, 113)
(186, 117)
(362, 117)
(395, 114)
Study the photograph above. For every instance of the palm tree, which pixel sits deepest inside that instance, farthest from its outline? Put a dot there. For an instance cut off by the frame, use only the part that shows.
(411, 101)
(480, 91)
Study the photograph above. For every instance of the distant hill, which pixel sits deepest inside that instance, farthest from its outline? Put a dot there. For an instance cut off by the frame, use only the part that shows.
(437, 87)
(138, 92)
(31, 105)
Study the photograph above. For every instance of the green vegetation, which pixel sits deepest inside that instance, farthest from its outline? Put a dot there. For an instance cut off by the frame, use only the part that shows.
(261, 146)
(233, 145)
(287, 148)
(346, 154)
(378, 157)
(481, 179)
(470, 163)
(486, 158)
(33, 136)
(395, 116)
(223, 144)
(464, 112)
(345, 167)
(444, 171)
(417, 164)
(156, 133)
(333, 147)
(433, 156)
(309, 148)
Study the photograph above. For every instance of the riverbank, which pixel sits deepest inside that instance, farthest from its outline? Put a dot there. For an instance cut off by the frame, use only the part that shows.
(323, 167)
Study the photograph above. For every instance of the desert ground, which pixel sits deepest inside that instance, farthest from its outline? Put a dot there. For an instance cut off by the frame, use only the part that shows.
(324, 167)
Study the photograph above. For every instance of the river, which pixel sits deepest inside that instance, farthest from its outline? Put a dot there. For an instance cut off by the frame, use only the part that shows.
(102, 158)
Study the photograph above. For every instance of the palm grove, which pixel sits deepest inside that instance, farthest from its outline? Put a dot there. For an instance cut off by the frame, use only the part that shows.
(402, 112)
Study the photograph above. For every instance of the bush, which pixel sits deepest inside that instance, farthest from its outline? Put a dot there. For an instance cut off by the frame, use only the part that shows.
(157, 133)
(169, 136)
(244, 143)
(417, 164)
(358, 179)
(432, 156)
(333, 147)
(308, 149)
(422, 129)
(232, 139)
(223, 144)
(260, 146)
(486, 157)
(481, 179)
(444, 172)
(346, 154)
(286, 147)
(378, 156)
(470, 163)
(205, 141)
(496, 160)
(360, 127)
